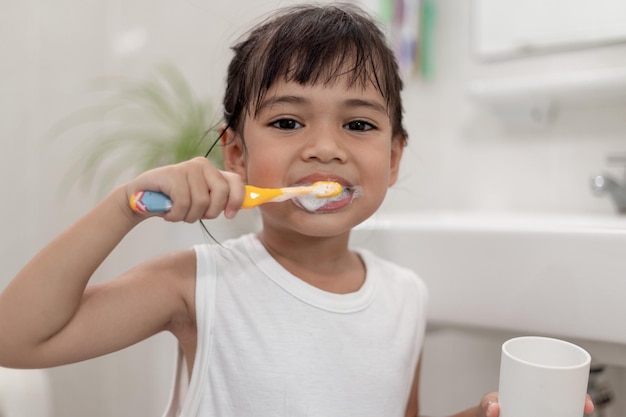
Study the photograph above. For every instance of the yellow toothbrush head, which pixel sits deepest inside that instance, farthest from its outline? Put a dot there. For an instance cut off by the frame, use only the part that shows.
(324, 189)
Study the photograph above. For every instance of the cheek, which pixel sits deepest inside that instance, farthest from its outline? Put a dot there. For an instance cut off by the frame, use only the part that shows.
(376, 167)
(265, 167)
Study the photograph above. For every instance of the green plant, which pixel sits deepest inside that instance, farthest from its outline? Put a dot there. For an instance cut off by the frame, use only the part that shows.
(141, 124)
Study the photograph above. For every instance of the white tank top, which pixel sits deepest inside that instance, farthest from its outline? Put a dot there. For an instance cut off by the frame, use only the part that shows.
(269, 344)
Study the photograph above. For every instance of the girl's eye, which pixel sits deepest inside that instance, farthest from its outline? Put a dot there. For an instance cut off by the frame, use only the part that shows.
(359, 125)
(286, 124)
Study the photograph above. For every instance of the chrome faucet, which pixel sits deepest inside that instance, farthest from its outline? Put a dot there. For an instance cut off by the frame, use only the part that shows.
(605, 184)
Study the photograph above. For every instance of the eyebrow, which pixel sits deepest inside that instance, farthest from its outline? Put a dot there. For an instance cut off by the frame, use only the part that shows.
(268, 102)
(352, 102)
(358, 102)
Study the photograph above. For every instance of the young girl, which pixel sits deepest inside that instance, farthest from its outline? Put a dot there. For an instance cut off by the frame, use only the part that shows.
(285, 322)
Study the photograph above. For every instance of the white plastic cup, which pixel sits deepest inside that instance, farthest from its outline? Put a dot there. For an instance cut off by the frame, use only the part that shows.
(541, 376)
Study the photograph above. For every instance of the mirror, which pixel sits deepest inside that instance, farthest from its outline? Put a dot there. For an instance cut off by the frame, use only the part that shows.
(512, 28)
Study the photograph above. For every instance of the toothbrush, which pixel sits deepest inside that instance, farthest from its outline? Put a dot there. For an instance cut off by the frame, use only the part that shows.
(156, 202)
(321, 189)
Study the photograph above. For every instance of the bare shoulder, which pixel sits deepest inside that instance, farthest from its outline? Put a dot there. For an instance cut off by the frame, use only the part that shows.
(175, 266)
(175, 273)
(178, 272)
(154, 296)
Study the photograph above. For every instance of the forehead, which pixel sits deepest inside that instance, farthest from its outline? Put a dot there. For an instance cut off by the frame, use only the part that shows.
(345, 79)
(341, 90)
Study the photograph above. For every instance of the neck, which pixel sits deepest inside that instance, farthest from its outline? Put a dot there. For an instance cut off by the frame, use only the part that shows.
(324, 262)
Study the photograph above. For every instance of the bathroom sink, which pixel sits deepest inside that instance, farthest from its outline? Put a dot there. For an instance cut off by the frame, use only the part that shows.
(558, 275)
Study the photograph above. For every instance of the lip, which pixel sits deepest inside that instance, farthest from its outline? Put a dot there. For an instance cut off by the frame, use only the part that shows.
(330, 206)
(336, 204)
(310, 179)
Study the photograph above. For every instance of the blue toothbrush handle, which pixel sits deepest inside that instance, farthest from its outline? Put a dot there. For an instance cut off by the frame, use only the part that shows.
(150, 202)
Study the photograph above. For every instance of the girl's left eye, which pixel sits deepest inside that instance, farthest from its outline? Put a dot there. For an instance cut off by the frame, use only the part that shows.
(286, 124)
(359, 125)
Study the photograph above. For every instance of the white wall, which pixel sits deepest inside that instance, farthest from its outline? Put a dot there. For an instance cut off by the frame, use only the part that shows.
(459, 157)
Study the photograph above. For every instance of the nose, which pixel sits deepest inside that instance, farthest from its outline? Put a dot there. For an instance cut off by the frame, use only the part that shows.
(325, 145)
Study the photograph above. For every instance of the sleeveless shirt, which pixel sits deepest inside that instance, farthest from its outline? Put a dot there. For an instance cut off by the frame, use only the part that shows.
(270, 344)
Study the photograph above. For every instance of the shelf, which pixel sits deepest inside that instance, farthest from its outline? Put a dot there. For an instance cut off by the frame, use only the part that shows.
(607, 85)
(530, 100)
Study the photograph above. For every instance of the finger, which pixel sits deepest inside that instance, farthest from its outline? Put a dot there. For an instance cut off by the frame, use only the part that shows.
(219, 192)
(236, 195)
(200, 193)
(493, 410)
(589, 406)
(175, 184)
(208, 190)
(181, 202)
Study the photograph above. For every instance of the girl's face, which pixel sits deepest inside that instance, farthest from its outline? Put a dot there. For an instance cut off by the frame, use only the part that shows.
(304, 134)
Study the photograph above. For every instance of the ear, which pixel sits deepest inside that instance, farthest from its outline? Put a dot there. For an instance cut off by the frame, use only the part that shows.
(397, 147)
(234, 152)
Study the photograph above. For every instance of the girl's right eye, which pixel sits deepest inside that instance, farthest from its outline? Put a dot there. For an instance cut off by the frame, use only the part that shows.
(286, 124)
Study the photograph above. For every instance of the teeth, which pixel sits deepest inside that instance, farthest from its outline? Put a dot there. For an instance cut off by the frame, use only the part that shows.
(312, 203)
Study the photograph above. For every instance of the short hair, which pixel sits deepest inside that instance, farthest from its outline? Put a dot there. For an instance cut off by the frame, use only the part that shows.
(312, 44)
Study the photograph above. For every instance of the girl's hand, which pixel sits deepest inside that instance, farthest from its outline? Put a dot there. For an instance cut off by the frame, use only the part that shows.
(489, 406)
(198, 190)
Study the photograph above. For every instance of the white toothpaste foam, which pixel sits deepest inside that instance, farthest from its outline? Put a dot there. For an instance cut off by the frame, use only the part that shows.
(312, 203)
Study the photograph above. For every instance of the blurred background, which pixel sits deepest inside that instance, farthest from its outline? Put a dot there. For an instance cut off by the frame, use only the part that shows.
(510, 107)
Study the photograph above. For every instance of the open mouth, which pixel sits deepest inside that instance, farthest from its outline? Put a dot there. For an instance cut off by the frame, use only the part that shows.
(314, 204)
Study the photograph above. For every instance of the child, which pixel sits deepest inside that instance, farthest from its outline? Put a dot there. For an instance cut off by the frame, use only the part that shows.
(285, 322)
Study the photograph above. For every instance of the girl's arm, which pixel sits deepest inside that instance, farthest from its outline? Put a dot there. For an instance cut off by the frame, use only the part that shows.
(39, 308)
(48, 315)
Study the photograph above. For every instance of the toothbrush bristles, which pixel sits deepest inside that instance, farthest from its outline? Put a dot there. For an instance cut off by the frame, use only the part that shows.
(327, 189)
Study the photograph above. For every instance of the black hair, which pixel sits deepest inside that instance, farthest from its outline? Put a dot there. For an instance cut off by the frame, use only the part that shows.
(312, 44)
